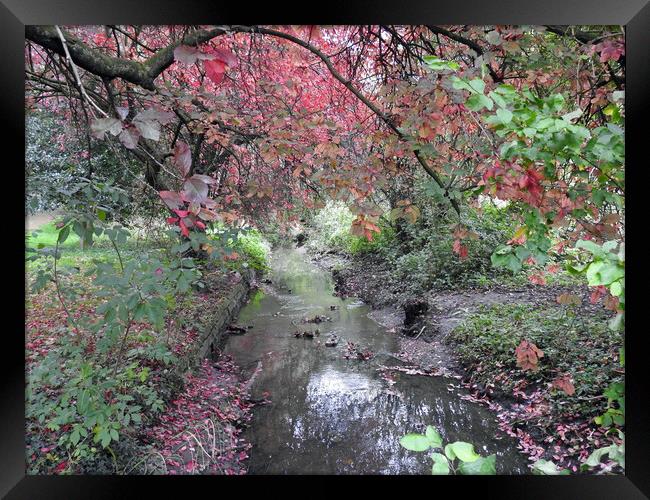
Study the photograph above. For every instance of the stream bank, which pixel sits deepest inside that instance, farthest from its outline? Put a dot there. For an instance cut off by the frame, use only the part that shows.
(207, 400)
(547, 422)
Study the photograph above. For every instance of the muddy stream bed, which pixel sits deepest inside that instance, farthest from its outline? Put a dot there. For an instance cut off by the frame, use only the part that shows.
(331, 415)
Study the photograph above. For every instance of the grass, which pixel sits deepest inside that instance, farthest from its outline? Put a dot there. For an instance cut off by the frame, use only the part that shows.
(73, 255)
(573, 342)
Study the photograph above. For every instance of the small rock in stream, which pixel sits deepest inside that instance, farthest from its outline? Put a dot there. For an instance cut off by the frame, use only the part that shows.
(332, 341)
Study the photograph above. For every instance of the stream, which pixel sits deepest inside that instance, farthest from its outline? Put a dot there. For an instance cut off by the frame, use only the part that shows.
(331, 415)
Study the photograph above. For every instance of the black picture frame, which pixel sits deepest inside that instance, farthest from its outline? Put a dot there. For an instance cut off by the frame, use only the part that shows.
(15, 14)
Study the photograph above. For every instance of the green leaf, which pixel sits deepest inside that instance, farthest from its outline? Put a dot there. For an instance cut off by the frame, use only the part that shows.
(74, 437)
(477, 102)
(596, 456)
(461, 450)
(505, 116)
(415, 442)
(83, 401)
(435, 440)
(63, 234)
(548, 468)
(572, 115)
(483, 466)
(590, 246)
(437, 64)
(604, 273)
(440, 465)
(477, 85)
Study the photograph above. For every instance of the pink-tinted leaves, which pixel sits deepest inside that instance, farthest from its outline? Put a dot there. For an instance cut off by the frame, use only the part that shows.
(130, 137)
(195, 190)
(101, 126)
(148, 122)
(149, 129)
(225, 56)
(208, 203)
(207, 215)
(122, 112)
(565, 384)
(189, 55)
(185, 54)
(171, 199)
(205, 178)
(151, 114)
(183, 158)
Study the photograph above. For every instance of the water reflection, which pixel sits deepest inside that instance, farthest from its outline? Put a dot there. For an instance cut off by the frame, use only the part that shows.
(332, 415)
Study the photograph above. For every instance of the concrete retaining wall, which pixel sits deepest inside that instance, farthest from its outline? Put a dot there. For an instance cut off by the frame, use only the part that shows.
(212, 337)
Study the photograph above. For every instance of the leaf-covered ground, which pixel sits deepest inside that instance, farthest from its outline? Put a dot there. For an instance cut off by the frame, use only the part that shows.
(209, 405)
(550, 407)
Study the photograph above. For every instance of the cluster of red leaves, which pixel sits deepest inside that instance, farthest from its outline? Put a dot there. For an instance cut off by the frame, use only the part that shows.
(363, 227)
(610, 50)
(461, 233)
(528, 355)
(213, 393)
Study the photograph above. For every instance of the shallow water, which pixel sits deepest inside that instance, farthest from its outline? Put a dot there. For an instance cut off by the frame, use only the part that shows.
(330, 415)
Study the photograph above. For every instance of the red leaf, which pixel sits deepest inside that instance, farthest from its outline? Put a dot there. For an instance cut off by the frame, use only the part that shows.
(460, 249)
(225, 56)
(214, 70)
(184, 231)
(171, 198)
(564, 383)
(528, 355)
(195, 190)
(182, 158)
(537, 279)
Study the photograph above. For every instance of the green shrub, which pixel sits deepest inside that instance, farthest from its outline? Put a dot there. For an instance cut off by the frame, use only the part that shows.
(331, 229)
(254, 248)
